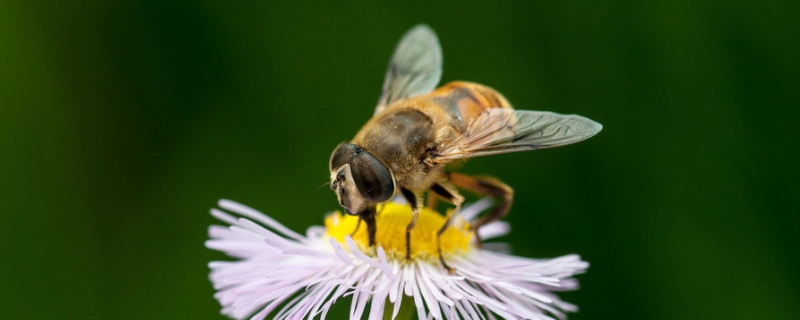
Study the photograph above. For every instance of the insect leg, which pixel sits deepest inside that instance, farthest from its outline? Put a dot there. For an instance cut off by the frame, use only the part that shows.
(431, 201)
(486, 186)
(451, 196)
(456, 199)
(368, 216)
(412, 200)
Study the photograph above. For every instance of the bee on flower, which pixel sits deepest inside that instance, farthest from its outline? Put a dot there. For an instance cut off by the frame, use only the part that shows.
(406, 259)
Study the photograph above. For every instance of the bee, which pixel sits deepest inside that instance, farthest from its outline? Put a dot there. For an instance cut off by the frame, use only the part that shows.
(417, 129)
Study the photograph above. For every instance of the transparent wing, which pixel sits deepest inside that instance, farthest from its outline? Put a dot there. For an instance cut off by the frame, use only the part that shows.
(500, 130)
(415, 67)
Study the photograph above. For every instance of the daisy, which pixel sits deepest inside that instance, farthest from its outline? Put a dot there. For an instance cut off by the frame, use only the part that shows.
(285, 275)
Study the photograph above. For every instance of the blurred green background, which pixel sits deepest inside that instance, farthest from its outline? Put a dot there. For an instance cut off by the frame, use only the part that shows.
(123, 122)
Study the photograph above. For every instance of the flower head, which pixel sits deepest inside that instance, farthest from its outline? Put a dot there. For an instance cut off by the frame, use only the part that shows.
(292, 276)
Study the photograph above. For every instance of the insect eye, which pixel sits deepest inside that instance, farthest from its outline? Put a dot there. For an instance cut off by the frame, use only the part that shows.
(372, 178)
(343, 154)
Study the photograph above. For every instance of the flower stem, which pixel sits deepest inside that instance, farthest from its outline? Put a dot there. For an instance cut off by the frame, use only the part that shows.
(407, 310)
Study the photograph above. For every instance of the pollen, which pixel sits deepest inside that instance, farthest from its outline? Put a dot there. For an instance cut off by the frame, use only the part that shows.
(391, 221)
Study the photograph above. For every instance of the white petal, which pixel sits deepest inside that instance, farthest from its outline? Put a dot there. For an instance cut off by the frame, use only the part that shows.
(275, 264)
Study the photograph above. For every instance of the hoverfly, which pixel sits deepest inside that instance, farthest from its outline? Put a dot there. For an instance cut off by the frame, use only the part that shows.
(417, 129)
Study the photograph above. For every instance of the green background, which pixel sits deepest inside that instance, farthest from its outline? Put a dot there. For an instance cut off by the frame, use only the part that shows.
(123, 122)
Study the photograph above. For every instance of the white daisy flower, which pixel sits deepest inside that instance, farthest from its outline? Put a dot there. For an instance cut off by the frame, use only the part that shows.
(286, 275)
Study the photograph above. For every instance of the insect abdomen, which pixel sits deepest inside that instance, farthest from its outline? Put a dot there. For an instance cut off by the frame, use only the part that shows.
(465, 100)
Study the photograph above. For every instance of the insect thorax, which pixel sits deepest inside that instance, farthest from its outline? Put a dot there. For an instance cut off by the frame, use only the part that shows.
(399, 139)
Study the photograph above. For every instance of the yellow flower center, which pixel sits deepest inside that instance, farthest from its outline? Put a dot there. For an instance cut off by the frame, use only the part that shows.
(391, 222)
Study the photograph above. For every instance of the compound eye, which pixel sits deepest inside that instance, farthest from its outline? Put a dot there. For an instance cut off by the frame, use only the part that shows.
(343, 154)
(372, 178)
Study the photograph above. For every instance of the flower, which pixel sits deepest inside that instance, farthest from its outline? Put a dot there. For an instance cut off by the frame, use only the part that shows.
(287, 275)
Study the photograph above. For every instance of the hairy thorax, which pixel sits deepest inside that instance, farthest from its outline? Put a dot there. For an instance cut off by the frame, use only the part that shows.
(403, 136)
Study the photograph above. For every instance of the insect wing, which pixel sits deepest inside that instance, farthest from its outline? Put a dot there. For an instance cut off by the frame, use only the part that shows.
(415, 67)
(497, 131)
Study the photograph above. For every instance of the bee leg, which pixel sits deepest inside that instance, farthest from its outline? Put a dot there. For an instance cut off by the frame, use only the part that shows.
(490, 187)
(412, 200)
(431, 201)
(368, 216)
(456, 199)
